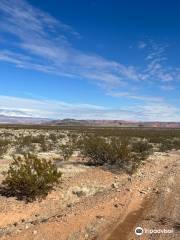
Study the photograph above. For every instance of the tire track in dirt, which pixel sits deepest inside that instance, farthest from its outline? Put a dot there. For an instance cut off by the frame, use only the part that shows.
(160, 210)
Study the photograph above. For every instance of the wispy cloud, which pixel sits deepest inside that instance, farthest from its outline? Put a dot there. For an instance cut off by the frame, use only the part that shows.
(42, 43)
(157, 69)
(167, 87)
(45, 41)
(136, 97)
(159, 112)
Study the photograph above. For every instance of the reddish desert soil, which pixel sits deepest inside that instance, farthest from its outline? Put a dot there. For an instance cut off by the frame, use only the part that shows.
(100, 203)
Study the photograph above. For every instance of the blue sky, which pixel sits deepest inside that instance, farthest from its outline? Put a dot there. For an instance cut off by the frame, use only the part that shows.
(90, 59)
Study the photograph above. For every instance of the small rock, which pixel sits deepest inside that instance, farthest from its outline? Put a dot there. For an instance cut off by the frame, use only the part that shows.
(143, 192)
(128, 189)
(114, 185)
(116, 205)
(35, 222)
(26, 227)
(34, 232)
(99, 216)
(69, 205)
(44, 220)
(121, 204)
(86, 236)
(79, 193)
(156, 190)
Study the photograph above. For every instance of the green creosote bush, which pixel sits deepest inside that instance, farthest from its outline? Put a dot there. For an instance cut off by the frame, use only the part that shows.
(53, 137)
(100, 150)
(30, 178)
(176, 143)
(30, 141)
(169, 144)
(67, 149)
(3, 146)
(141, 147)
(114, 150)
(165, 145)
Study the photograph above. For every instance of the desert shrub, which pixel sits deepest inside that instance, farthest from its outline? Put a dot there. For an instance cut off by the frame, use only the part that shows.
(73, 137)
(3, 146)
(101, 150)
(114, 150)
(67, 149)
(25, 140)
(38, 139)
(44, 143)
(53, 137)
(128, 158)
(166, 145)
(141, 147)
(95, 148)
(30, 177)
(169, 144)
(60, 135)
(46, 146)
(25, 149)
(27, 143)
(176, 143)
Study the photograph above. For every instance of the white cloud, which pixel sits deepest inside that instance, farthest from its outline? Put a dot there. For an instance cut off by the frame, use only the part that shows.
(155, 111)
(136, 97)
(167, 87)
(157, 69)
(45, 41)
(159, 112)
(42, 43)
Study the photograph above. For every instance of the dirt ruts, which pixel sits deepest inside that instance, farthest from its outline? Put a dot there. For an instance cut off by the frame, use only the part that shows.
(159, 213)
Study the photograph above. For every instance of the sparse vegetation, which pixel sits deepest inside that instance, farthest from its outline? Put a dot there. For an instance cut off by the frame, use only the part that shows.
(120, 146)
(67, 150)
(141, 147)
(114, 150)
(27, 174)
(3, 146)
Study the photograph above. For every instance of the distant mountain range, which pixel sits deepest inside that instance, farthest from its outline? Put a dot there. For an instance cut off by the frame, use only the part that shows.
(116, 123)
(21, 120)
(73, 122)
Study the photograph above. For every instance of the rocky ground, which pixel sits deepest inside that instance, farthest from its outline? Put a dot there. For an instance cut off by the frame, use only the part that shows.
(93, 202)
(158, 214)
